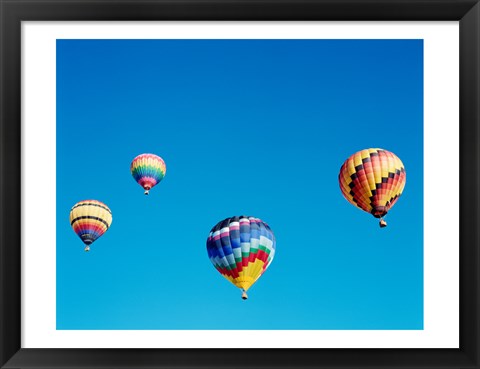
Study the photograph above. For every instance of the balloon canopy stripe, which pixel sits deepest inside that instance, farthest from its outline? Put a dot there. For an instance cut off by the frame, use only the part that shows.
(103, 206)
(89, 224)
(372, 180)
(241, 249)
(90, 237)
(89, 217)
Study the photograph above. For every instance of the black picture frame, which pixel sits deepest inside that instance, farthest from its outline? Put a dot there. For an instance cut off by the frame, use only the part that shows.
(13, 12)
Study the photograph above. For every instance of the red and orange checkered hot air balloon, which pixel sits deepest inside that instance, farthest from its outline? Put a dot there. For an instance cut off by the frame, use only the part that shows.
(373, 180)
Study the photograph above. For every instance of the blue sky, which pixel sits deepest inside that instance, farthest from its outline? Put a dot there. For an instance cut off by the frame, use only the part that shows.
(254, 127)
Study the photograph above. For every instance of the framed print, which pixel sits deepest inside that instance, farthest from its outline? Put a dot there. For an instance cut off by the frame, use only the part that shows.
(320, 203)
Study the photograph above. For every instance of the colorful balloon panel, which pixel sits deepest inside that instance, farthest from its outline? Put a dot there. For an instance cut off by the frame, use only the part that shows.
(241, 248)
(90, 219)
(148, 170)
(372, 180)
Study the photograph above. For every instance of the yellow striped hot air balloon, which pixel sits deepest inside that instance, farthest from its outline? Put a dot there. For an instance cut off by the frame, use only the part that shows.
(373, 180)
(90, 219)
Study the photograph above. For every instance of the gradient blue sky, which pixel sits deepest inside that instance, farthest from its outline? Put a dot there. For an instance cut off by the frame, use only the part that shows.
(255, 127)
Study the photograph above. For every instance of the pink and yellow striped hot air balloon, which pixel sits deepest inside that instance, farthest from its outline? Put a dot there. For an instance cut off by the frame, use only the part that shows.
(148, 170)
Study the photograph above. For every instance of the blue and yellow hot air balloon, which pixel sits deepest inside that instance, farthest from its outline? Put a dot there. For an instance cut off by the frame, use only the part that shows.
(241, 248)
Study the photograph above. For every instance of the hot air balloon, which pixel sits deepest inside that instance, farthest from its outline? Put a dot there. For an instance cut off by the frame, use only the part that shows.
(241, 249)
(90, 219)
(148, 170)
(373, 180)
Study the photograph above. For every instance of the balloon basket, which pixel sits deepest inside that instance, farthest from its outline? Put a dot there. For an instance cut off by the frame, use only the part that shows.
(382, 223)
(146, 192)
(87, 248)
(244, 295)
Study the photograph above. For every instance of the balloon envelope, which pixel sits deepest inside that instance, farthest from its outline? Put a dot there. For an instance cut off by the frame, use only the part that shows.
(148, 170)
(372, 180)
(90, 219)
(241, 248)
